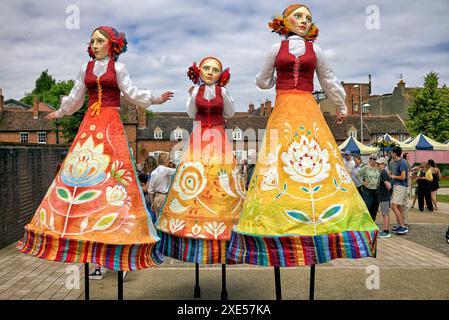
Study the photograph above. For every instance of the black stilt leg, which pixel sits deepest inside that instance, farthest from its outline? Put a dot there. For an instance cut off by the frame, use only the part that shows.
(120, 285)
(277, 280)
(197, 292)
(224, 292)
(86, 281)
(312, 283)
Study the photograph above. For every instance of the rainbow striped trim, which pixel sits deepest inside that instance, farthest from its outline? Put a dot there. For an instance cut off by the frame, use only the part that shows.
(127, 257)
(193, 250)
(290, 251)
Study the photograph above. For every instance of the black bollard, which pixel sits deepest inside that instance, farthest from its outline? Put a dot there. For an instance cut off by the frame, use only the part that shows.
(197, 291)
(277, 280)
(120, 286)
(224, 293)
(86, 281)
(312, 283)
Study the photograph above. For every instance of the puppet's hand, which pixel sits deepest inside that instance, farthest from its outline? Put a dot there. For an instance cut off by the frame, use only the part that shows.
(166, 96)
(191, 90)
(52, 116)
(340, 117)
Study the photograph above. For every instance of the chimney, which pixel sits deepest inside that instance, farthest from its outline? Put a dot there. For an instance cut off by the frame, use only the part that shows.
(262, 109)
(251, 108)
(2, 101)
(35, 108)
(141, 118)
(369, 92)
(401, 86)
(268, 107)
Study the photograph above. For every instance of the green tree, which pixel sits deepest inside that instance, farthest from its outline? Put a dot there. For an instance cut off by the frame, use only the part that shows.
(429, 112)
(49, 91)
(43, 84)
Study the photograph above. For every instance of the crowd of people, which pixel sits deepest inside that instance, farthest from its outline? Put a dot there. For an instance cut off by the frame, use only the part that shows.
(383, 184)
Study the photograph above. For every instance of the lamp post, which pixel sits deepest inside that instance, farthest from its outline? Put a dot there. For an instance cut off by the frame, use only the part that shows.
(361, 111)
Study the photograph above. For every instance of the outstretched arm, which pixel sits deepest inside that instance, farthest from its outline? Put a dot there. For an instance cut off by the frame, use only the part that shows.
(139, 97)
(266, 78)
(330, 84)
(74, 101)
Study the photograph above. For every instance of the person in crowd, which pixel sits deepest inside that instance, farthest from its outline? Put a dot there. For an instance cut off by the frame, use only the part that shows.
(424, 181)
(434, 186)
(160, 181)
(369, 177)
(348, 161)
(384, 189)
(399, 195)
(358, 165)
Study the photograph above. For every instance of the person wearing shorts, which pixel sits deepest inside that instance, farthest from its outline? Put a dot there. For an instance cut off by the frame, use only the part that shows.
(384, 187)
(399, 196)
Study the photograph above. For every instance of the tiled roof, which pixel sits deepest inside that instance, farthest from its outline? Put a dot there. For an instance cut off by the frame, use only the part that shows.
(24, 121)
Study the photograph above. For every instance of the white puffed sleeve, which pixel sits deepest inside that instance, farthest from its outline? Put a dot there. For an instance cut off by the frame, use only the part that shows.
(328, 81)
(142, 98)
(228, 104)
(74, 101)
(191, 103)
(266, 78)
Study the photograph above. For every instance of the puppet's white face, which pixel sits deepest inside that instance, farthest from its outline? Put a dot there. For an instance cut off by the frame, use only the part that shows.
(210, 71)
(100, 45)
(299, 21)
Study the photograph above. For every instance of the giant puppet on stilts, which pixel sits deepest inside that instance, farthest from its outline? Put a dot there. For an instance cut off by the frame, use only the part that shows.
(94, 210)
(207, 193)
(302, 207)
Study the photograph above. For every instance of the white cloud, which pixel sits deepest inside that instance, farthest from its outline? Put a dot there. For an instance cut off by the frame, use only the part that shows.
(165, 37)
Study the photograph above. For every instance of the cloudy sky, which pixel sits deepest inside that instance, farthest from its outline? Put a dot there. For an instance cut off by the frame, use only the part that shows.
(166, 36)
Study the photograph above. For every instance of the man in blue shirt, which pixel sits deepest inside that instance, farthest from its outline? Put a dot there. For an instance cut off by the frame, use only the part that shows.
(399, 196)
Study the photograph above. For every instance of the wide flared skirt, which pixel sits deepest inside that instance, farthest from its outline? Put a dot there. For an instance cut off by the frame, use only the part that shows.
(204, 201)
(302, 207)
(94, 210)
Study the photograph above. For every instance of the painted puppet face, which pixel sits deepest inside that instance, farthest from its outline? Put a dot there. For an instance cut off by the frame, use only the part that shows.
(100, 45)
(299, 21)
(210, 71)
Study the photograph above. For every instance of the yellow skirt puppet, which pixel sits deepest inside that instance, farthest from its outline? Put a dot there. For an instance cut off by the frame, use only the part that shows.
(302, 207)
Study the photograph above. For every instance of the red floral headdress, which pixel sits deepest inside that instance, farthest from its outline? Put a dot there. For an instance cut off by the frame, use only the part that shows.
(277, 25)
(117, 42)
(194, 73)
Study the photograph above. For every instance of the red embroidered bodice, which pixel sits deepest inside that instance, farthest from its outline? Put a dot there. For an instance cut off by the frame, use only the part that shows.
(210, 112)
(295, 73)
(110, 92)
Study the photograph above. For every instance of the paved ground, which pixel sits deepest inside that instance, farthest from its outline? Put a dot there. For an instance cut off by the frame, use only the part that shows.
(415, 266)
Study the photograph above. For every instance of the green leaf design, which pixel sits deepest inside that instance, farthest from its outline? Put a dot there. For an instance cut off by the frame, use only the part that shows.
(305, 189)
(335, 182)
(278, 196)
(330, 212)
(316, 189)
(86, 196)
(105, 222)
(122, 181)
(285, 186)
(63, 194)
(120, 173)
(299, 216)
(343, 189)
(42, 216)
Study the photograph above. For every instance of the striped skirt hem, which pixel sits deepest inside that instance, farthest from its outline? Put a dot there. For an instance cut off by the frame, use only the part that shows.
(201, 251)
(290, 251)
(126, 257)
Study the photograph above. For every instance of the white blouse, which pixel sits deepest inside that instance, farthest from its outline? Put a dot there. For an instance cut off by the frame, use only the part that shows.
(74, 101)
(209, 94)
(160, 180)
(266, 78)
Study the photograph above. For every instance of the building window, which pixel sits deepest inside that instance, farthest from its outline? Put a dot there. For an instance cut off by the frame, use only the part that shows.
(356, 108)
(157, 133)
(238, 155)
(353, 134)
(178, 134)
(24, 137)
(237, 134)
(401, 137)
(42, 137)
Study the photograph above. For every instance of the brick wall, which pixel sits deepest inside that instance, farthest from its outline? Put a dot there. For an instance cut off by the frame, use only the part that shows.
(26, 172)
